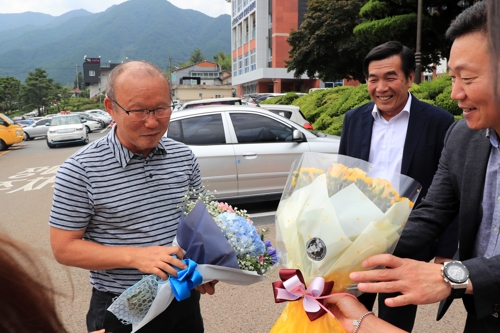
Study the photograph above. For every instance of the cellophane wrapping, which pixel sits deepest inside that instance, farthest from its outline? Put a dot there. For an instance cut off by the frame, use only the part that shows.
(335, 213)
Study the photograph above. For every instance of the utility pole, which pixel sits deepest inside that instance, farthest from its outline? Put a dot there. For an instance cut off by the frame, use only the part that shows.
(418, 55)
(170, 69)
(77, 85)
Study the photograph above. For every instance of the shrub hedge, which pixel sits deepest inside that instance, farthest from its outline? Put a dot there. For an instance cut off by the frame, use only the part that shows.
(325, 109)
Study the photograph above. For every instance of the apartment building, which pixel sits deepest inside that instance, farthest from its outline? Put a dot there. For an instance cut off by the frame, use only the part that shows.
(259, 48)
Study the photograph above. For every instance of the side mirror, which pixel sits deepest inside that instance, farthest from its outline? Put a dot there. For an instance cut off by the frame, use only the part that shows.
(47, 124)
(298, 136)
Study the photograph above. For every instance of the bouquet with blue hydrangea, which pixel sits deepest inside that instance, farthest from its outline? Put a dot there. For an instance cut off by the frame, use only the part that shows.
(252, 251)
(219, 243)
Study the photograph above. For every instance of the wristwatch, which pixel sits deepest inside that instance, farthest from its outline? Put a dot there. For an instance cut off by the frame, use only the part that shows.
(457, 275)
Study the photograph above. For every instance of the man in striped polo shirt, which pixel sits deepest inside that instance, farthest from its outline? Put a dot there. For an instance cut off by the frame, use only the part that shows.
(116, 202)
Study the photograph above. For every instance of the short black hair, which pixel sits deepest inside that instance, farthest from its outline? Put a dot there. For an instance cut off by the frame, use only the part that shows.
(473, 19)
(388, 50)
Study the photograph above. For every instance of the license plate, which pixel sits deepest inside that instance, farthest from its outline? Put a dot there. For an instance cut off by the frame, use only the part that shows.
(66, 130)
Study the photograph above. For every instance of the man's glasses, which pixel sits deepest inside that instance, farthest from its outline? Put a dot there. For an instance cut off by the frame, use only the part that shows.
(140, 115)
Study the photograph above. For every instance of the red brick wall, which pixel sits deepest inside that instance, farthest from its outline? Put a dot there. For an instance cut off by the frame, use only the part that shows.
(285, 18)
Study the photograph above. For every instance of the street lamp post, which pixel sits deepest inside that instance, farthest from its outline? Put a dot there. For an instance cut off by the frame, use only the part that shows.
(418, 54)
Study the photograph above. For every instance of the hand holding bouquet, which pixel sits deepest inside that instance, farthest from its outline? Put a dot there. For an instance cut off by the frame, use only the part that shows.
(220, 243)
(331, 217)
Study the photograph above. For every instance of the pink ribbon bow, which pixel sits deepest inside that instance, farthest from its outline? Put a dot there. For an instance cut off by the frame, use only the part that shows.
(292, 288)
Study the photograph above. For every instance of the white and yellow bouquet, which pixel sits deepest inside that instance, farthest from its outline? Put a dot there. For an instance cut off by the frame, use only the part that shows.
(331, 217)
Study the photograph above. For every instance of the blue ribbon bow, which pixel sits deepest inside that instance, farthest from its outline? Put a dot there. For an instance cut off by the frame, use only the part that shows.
(186, 280)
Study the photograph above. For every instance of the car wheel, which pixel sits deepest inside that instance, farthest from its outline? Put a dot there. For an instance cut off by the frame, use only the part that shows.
(50, 144)
(26, 137)
(3, 146)
(87, 129)
(86, 140)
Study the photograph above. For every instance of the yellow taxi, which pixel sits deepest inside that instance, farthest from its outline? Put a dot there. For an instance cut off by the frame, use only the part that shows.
(10, 133)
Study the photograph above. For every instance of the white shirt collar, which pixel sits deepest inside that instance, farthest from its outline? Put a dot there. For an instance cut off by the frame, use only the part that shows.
(376, 114)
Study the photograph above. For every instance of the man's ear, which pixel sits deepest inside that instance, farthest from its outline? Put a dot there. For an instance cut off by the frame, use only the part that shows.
(410, 78)
(108, 105)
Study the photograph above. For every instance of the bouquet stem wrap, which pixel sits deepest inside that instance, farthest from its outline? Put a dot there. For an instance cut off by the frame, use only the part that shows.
(332, 216)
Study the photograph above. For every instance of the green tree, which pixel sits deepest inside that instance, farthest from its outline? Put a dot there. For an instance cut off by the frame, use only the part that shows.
(61, 96)
(80, 82)
(223, 59)
(385, 20)
(38, 92)
(10, 88)
(325, 45)
(196, 57)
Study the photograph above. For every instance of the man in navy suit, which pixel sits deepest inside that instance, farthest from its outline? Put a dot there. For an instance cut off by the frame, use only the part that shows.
(398, 134)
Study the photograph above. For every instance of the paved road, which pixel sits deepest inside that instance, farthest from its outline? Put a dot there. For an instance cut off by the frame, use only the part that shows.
(26, 178)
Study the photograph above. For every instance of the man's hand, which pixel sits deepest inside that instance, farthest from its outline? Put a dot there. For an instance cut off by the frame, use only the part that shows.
(207, 288)
(159, 260)
(419, 282)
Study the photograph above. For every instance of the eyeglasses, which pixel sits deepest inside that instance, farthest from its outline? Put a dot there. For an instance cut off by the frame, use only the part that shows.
(140, 115)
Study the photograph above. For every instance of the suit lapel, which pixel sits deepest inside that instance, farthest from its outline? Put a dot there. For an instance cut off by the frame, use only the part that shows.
(366, 131)
(416, 125)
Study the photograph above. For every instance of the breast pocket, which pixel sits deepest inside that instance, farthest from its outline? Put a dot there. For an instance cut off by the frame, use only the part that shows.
(173, 180)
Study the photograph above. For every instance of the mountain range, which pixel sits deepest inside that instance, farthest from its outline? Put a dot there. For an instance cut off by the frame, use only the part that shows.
(151, 30)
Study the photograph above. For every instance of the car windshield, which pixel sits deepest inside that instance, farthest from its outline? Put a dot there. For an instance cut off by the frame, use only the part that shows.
(10, 120)
(69, 120)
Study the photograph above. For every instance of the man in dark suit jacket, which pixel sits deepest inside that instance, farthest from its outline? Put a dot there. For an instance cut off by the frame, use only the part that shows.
(467, 185)
(398, 134)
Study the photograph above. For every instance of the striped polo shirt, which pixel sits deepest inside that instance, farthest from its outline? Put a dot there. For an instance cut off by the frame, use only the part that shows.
(123, 199)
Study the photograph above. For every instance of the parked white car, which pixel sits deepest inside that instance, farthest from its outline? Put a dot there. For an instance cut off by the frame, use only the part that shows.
(37, 129)
(291, 112)
(92, 123)
(212, 101)
(65, 129)
(100, 114)
(245, 152)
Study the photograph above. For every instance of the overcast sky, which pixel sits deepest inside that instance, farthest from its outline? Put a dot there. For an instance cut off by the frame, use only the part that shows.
(212, 8)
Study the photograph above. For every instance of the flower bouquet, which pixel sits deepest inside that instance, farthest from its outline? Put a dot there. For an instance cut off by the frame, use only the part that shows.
(219, 243)
(331, 217)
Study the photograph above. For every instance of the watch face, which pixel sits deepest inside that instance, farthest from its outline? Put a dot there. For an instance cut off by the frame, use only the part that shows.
(456, 272)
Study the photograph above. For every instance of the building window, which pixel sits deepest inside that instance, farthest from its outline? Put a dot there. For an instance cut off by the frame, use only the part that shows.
(235, 39)
(253, 26)
(250, 89)
(240, 2)
(240, 34)
(234, 8)
(91, 73)
(235, 67)
(246, 31)
(253, 65)
(246, 63)
(240, 65)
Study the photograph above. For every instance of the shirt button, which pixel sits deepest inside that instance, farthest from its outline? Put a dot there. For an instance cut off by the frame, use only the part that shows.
(495, 229)
(498, 198)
